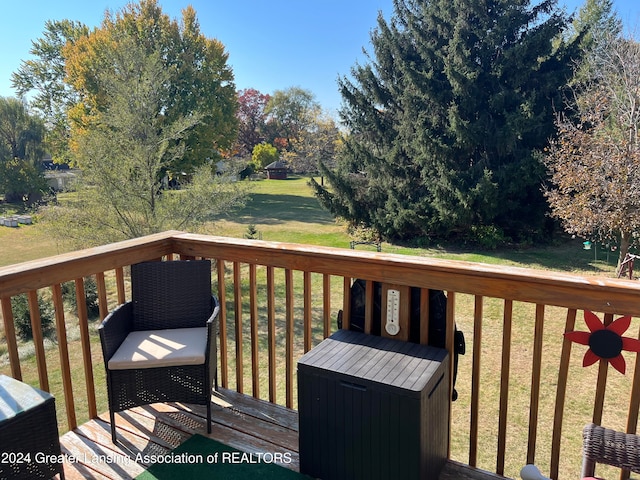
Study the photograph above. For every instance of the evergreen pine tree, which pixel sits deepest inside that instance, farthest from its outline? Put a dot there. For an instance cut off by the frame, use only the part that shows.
(444, 119)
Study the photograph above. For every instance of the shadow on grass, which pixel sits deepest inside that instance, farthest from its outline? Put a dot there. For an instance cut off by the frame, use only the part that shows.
(566, 255)
(7, 208)
(267, 209)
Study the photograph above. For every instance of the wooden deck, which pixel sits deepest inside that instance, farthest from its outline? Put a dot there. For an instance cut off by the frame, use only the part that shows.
(240, 421)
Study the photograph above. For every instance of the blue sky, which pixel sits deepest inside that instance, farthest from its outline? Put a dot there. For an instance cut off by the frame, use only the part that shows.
(272, 44)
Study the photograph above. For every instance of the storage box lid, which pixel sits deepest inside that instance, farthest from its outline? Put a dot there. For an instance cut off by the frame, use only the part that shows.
(404, 365)
(17, 397)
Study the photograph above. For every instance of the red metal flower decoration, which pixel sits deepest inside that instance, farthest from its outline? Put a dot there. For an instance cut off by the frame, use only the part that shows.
(605, 343)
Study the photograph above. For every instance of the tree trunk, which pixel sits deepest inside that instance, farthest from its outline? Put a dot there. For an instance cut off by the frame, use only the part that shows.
(625, 239)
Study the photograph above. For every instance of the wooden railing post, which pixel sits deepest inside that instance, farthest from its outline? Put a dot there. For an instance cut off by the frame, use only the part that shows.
(307, 310)
(38, 339)
(63, 350)
(424, 316)
(222, 323)
(475, 381)
(326, 305)
(289, 337)
(253, 312)
(507, 319)
(561, 392)
(450, 342)
(603, 370)
(85, 340)
(102, 295)
(120, 285)
(271, 332)
(10, 337)
(237, 310)
(346, 302)
(535, 384)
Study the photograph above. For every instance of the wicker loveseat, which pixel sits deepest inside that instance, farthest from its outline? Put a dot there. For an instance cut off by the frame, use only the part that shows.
(161, 346)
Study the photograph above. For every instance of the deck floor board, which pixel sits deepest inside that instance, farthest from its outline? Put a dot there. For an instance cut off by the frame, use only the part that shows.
(240, 421)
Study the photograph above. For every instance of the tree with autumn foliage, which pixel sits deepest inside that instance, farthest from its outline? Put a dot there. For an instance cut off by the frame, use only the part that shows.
(290, 121)
(290, 112)
(318, 143)
(252, 120)
(595, 162)
(199, 80)
(263, 154)
(154, 96)
(128, 148)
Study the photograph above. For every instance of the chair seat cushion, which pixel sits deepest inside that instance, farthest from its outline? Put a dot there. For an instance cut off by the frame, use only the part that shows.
(161, 348)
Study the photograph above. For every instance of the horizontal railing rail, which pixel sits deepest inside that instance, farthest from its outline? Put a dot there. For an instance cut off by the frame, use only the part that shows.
(524, 395)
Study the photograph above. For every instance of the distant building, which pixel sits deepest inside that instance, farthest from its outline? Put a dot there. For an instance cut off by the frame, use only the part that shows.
(49, 164)
(276, 170)
(60, 180)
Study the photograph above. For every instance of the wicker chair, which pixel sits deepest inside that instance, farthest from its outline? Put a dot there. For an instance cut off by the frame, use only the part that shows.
(603, 445)
(161, 346)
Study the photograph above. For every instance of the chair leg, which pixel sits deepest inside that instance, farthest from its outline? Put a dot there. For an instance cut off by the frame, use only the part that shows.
(588, 468)
(112, 417)
(209, 417)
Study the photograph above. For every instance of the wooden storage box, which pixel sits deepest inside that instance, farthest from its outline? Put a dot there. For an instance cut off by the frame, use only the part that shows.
(373, 408)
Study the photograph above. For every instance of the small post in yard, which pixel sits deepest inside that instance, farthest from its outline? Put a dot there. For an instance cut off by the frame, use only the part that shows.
(587, 246)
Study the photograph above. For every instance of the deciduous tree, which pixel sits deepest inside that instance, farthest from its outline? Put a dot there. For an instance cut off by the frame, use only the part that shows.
(43, 76)
(21, 152)
(290, 113)
(595, 162)
(252, 119)
(263, 154)
(318, 143)
(198, 82)
(128, 145)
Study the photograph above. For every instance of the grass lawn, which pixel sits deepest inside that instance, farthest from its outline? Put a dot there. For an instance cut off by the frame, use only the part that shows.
(285, 210)
(27, 242)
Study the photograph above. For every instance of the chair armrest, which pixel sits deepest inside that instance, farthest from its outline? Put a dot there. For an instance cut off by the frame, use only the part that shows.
(212, 326)
(603, 445)
(215, 310)
(114, 329)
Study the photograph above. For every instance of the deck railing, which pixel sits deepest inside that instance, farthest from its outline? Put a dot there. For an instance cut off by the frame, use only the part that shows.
(523, 393)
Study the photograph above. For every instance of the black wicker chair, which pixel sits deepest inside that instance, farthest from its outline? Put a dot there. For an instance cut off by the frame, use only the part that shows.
(603, 445)
(161, 346)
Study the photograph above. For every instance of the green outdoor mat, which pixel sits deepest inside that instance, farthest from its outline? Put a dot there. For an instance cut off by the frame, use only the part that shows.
(203, 458)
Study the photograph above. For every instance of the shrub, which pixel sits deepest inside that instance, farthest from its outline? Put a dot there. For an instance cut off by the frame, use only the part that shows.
(22, 317)
(252, 232)
(264, 154)
(91, 296)
(487, 236)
